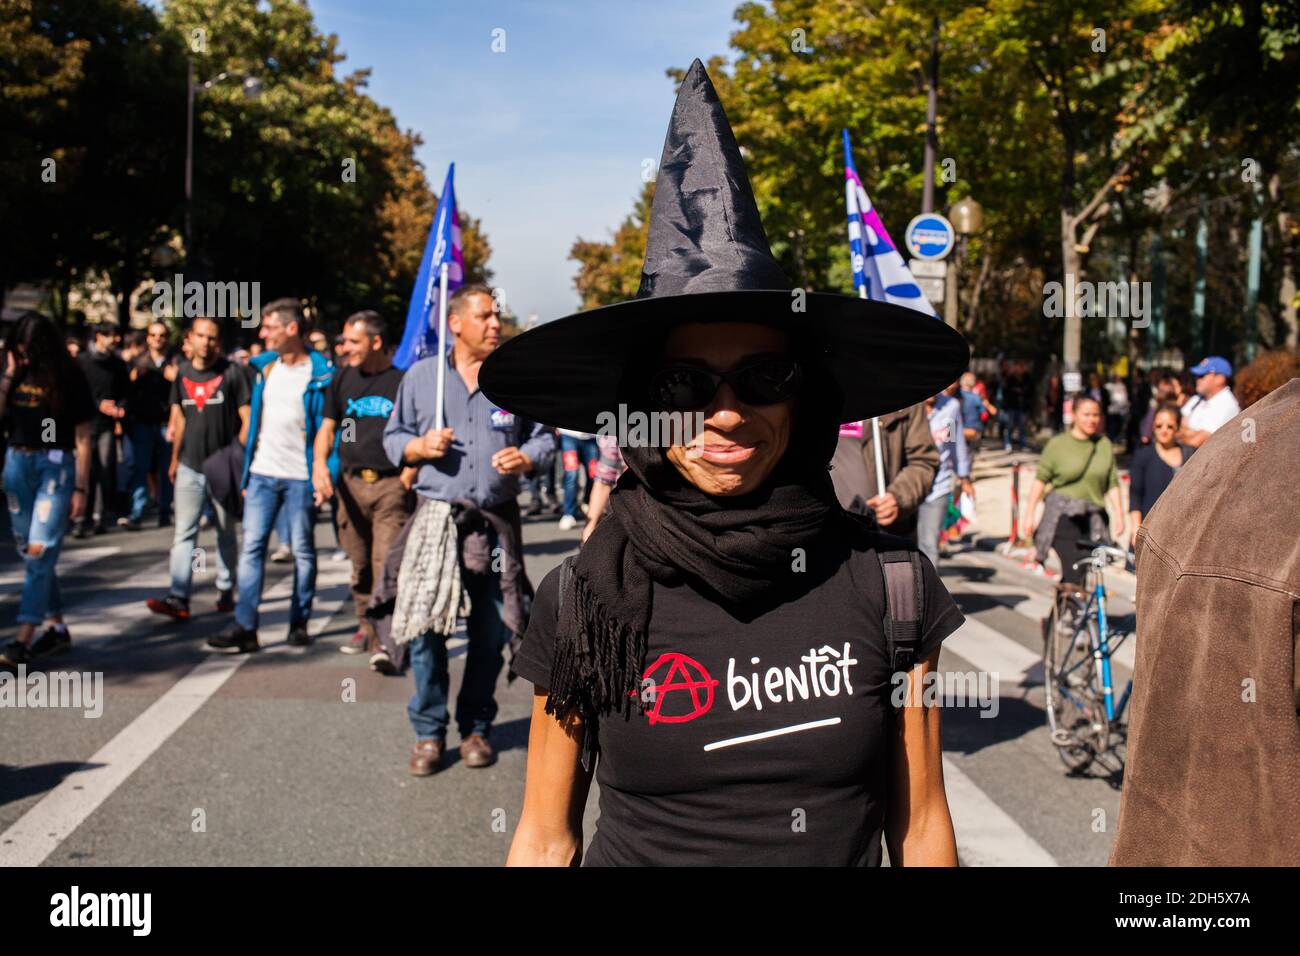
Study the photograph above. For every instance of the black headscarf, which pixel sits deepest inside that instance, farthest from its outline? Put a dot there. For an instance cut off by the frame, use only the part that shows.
(738, 551)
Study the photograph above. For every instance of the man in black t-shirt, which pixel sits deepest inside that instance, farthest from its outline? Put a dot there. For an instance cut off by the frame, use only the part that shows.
(209, 412)
(373, 497)
(109, 382)
(147, 407)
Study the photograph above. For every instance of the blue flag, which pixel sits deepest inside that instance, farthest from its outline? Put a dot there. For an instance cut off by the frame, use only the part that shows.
(420, 337)
(877, 265)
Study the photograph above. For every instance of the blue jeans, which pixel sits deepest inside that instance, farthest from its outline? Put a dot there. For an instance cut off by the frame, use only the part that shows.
(538, 483)
(476, 705)
(191, 496)
(283, 530)
(40, 498)
(265, 499)
(1013, 420)
(149, 449)
(578, 454)
(929, 522)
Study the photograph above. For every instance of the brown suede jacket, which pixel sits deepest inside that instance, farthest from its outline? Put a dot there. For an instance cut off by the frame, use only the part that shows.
(1213, 771)
(910, 457)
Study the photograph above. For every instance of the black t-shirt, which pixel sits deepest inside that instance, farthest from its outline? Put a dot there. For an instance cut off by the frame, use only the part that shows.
(149, 396)
(108, 378)
(29, 415)
(210, 401)
(360, 405)
(1150, 476)
(767, 742)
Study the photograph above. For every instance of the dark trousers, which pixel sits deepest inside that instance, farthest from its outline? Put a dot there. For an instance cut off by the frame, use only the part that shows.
(476, 705)
(103, 476)
(150, 455)
(370, 517)
(1070, 530)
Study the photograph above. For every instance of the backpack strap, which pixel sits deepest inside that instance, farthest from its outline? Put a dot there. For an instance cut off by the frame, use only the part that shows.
(904, 606)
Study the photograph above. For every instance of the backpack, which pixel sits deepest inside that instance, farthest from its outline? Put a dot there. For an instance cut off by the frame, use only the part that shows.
(904, 611)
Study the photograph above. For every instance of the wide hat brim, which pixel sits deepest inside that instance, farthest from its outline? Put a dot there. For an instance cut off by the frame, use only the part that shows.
(567, 373)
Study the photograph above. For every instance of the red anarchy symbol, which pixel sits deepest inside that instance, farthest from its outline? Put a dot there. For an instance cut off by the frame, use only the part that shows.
(683, 674)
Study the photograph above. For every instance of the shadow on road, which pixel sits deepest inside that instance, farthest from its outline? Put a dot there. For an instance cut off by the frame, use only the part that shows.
(19, 782)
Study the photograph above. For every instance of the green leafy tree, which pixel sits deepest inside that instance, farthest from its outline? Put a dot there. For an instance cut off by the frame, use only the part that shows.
(87, 87)
(309, 188)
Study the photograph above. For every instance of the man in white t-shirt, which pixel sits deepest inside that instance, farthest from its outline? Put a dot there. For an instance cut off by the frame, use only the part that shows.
(1213, 405)
(287, 408)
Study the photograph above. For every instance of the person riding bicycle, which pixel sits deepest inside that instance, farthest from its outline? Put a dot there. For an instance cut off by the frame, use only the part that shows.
(1079, 468)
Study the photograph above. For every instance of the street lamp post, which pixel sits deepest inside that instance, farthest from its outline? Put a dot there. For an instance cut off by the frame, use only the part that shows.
(252, 89)
(967, 217)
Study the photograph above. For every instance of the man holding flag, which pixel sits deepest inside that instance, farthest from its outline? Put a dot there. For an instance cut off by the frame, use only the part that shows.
(886, 464)
(462, 550)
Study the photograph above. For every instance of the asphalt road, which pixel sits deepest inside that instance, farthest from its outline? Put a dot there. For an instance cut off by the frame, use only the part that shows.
(298, 756)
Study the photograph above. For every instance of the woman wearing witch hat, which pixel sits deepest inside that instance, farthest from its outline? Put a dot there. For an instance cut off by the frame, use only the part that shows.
(730, 651)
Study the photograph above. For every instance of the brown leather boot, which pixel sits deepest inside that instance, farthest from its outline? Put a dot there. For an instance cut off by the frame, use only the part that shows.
(426, 758)
(475, 751)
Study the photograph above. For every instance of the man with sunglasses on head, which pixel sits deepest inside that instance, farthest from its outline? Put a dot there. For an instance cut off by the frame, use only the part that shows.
(474, 463)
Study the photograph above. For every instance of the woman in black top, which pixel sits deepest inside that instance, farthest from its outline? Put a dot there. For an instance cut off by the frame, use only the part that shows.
(46, 408)
(719, 647)
(1155, 465)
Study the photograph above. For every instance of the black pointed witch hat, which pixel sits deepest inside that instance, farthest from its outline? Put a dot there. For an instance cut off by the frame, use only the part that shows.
(708, 260)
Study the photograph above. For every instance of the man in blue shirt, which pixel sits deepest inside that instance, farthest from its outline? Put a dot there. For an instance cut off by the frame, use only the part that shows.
(475, 461)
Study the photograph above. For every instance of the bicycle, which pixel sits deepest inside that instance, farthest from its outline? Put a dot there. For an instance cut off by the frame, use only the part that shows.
(1082, 712)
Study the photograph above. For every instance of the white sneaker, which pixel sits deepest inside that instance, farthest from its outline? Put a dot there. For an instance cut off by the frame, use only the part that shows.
(568, 523)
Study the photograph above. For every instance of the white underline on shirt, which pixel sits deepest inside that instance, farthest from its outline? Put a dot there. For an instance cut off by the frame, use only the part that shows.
(793, 729)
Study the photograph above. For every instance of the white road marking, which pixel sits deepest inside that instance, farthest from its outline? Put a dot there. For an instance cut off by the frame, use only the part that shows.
(990, 651)
(792, 729)
(105, 615)
(1035, 606)
(72, 558)
(986, 834)
(39, 831)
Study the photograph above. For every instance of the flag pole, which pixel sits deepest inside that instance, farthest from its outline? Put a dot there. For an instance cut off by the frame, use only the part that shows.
(875, 433)
(442, 347)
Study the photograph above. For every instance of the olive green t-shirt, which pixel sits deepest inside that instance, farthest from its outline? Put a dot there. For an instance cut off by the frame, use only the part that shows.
(1062, 466)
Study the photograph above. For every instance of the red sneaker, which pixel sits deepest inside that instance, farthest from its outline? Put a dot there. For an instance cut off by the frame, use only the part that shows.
(357, 645)
(225, 602)
(170, 606)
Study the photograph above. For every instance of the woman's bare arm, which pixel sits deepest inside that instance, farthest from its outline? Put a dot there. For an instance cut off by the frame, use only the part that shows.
(1029, 519)
(555, 792)
(918, 827)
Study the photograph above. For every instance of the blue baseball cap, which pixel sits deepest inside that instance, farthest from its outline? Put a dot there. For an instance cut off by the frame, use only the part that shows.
(1212, 363)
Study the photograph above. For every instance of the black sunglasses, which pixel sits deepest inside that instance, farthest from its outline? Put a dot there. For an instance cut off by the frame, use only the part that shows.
(767, 381)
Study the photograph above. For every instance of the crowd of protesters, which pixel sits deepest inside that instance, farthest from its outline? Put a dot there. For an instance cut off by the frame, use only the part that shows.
(113, 432)
(119, 431)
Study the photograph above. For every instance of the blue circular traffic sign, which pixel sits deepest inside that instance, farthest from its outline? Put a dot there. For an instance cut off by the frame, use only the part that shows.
(929, 236)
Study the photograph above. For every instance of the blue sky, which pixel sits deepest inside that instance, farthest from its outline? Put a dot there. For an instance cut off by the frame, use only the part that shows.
(548, 137)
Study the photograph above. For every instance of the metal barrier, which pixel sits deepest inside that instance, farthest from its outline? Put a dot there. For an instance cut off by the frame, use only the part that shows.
(1014, 537)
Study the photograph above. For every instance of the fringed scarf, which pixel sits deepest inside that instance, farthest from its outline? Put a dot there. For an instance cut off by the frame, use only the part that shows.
(736, 550)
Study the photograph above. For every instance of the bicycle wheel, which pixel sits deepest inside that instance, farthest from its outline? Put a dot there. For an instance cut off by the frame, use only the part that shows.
(1068, 669)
